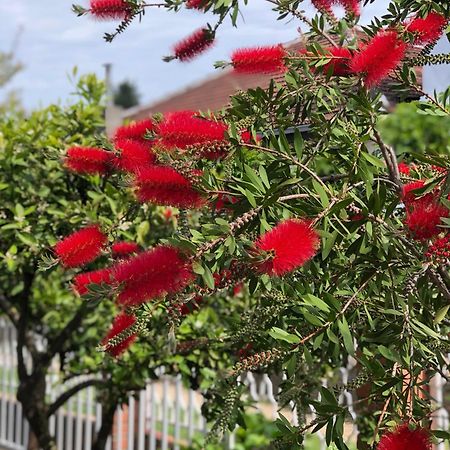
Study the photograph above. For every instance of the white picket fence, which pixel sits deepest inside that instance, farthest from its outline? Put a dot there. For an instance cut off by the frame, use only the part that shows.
(165, 415)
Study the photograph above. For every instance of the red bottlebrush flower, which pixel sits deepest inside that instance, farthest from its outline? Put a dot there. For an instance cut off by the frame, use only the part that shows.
(440, 248)
(195, 4)
(182, 129)
(81, 247)
(165, 186)
(259, 59)
(290, 245)
(351, 6)
(110, 9)
(124, 248)
(439, 169)
(403, 438)
(378, 57)
(237, 289)
(168, 213)
(134, 155)
(424, 218)
(428, 29)
(357, 217)
(408, 194)
(403, 168)
(82, 281)
(135, 131)
(324, 6)
(150, 274)
(338, 66)
(188, 308)
(121, 324)
(88, 160)
(225, 202)
(193, 45)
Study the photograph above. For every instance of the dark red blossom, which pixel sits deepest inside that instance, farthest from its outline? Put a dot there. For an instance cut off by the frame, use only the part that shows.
(150, 274)
(225, 202)
(439, 249)
(124, 248)
(165, 186)
(351, 6)
(259, 59)
(196, 4)
(428, 29)
(339, 64)
(439, 169)
(404, 438)
(82, 281)
(136, 131)
(81, 247)
(122, 324)
(382, 54)
(88, 160)
(286, 247)
(193, 305)
(182, 129)
(424, 218)
(403, 168)
(324, 5)
(193, 45)
(134, 155)
(110, 9)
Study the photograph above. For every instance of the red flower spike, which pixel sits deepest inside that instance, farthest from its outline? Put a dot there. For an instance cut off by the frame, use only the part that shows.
(293, 242)
(81, 247)
(195, 4)
(135, 131)
(338, 66)
(403, 438)
(429, 29)
(124, 248)
(165, 186)
(88, 160)
(378, 57)
(121, 323)
(151, 274)
(324, 6)
(351, 6)
(440, 248)
(190, 307)
(259, 59)
(193, 45)
(110, 9)
(182, 129)
(409, 196)
(424, 218)
(134, 155)
(403, 168)
(83, 280)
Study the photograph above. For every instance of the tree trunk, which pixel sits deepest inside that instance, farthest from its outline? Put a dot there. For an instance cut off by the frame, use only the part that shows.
(31, 394)
(108, 412)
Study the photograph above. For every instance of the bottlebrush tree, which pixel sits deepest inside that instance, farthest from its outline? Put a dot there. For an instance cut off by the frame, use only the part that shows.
(340, 250)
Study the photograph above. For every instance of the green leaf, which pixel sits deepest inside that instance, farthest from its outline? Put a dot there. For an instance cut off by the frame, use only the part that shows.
(321, 192)
(440, 315)
(346, 335)
(317, 302)
(281, 335)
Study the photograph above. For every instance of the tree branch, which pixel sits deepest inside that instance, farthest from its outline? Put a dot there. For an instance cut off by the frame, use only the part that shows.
(390, 159)
(71, 392)
(57, 343)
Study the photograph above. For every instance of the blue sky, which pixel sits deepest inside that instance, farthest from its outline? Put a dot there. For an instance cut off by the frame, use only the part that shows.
(54, 40)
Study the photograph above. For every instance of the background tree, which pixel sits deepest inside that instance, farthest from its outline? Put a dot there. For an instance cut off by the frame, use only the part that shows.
(126, 95)
(378, 289)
